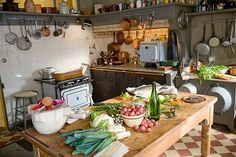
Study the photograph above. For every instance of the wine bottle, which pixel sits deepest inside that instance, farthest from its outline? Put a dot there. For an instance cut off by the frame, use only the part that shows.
(203, 5)
(154, 104)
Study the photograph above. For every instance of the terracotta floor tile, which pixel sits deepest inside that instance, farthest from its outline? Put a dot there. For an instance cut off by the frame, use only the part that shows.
(184, 152)
(220, 136)
(215, 143)
(191, 145)
(231, 148)
(227, 155)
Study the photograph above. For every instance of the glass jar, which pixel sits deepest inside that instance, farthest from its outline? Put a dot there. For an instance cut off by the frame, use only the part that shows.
(63, 8)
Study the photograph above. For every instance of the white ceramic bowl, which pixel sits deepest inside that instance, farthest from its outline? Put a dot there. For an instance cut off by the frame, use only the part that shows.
(132, 121)
(49, 122)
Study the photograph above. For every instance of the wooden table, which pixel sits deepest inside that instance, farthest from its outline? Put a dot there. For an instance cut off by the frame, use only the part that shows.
(167, 133)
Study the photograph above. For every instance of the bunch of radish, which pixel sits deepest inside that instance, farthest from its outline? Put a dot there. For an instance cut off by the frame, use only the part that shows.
(146, 125)
(133, 110)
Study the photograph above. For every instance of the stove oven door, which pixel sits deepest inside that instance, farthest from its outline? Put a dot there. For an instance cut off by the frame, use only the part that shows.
(76, 97)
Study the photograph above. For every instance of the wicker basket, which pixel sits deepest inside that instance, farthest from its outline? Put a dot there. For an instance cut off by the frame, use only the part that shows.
(68, 75)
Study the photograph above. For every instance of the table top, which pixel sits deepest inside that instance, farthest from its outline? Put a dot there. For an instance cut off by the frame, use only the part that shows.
(169, 131)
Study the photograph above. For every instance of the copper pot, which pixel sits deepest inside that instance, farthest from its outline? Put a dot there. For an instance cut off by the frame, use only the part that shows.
(128, 39)
(136, 41)
(124, 24)
(45, 31)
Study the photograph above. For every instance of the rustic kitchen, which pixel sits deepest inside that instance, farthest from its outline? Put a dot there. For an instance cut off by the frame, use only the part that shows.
(117, 78)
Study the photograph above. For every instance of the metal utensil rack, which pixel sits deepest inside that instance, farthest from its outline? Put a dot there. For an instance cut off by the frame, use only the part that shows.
(41, 17)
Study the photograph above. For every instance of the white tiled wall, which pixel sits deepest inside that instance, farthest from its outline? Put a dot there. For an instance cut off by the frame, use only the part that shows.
(22, 66)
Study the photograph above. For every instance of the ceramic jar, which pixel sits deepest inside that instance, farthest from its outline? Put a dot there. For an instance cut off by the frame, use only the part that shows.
(29, 6)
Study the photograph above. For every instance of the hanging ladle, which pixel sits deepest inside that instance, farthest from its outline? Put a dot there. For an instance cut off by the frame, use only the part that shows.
(55, 33)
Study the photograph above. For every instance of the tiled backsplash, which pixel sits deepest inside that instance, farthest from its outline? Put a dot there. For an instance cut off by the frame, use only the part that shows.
(21, 67)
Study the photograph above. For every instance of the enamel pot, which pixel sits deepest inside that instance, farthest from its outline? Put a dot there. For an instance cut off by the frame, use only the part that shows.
(188, 87)
(224, 101)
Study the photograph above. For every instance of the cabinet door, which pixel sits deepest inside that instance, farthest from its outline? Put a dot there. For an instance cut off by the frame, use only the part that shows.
(106, 84)
(130, 80)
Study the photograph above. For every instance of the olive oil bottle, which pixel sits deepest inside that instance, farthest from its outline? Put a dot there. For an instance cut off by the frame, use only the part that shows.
(154, 104)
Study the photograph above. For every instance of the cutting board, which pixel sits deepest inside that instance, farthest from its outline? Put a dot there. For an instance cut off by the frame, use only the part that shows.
(226, 77)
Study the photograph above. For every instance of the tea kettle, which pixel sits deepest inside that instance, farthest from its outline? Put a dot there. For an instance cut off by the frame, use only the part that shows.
(47, 73)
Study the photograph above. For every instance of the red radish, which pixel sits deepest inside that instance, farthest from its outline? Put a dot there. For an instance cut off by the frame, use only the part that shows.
(137, 113)
(132, 107)
(152, 120)
(129, 109)
(132, 114)
(140, 109)
(148, 129)
(136, 127)
(143, 123)
(142, 128)
(126, 114)
(150, 125)
(125, 109)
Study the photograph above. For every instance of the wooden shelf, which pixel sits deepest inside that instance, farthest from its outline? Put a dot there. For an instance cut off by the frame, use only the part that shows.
(161, 12)
(213, 12)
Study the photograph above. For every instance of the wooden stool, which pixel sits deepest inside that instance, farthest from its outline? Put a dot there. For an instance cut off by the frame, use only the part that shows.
(20, 109)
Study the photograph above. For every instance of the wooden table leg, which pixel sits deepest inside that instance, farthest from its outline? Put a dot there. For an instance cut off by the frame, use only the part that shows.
(205, 143)
(36, 151)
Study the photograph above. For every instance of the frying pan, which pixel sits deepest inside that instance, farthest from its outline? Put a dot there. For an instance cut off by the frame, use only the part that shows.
(120, 37)
(225, 41)
(113, 47)
(10, 37)
(233, 40)
(202, 48)
(213, 41)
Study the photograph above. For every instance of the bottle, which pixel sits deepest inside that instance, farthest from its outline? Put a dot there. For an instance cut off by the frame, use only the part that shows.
(138, 4)
(203, 5)
(29, 6)
(154, 104)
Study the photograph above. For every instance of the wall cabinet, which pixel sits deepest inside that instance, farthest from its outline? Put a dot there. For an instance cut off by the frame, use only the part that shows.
(108, 84)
